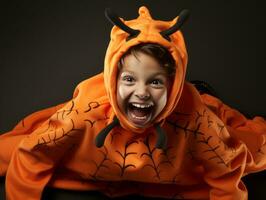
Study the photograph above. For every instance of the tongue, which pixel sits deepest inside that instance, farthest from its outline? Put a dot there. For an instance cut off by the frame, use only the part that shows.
(139, 112)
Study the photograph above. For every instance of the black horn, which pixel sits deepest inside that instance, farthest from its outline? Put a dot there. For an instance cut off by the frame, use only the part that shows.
(183, 16)
(115, 20)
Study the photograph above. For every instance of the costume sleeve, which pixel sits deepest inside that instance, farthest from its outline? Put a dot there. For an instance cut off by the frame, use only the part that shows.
(34, 160)
(11, 139)
(223, 171)
(252, 132)
(239, 149)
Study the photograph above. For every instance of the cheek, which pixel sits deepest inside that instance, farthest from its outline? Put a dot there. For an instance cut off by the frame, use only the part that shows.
(123, 92)
(161, 98)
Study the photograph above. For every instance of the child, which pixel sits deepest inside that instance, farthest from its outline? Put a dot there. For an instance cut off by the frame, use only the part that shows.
(137, 128)
(142, 96)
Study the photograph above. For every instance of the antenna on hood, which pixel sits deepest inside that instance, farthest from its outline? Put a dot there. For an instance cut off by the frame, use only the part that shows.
(115, 20)
(183, 16)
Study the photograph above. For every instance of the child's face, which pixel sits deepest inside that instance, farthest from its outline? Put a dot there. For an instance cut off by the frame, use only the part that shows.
(142, 86)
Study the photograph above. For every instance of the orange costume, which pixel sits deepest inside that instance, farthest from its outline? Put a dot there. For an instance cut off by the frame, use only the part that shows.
(197, 147)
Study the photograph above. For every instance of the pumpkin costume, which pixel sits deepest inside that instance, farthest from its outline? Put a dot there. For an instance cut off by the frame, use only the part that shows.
(196, 148)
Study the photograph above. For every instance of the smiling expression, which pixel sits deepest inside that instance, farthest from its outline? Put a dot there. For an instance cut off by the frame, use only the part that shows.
(142, 86)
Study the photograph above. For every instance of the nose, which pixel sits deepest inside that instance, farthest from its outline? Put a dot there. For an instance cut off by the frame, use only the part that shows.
(142, 92)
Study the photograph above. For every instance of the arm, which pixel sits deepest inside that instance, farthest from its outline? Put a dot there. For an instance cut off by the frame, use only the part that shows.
(10, 140)
(223, 176)
(34, 160)
(37, 155)
(252, 132)
(240, 150)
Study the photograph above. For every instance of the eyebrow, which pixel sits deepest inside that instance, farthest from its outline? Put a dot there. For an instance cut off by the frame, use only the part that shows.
(150, 77)
(127, 71)
(159, 73)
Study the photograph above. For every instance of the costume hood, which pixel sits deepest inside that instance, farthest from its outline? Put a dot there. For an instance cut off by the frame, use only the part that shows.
(145, 29)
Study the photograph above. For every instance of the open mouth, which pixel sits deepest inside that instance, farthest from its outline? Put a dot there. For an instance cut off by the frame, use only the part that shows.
(140, 113)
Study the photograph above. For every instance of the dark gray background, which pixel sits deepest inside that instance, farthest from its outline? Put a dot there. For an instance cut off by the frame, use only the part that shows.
(47, 48)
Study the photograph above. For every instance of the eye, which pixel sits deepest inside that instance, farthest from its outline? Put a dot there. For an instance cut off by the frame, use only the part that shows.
(128, 79)
(157, 82)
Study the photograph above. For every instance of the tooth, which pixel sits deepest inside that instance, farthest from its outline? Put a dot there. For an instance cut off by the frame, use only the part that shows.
(142, 118)
(141, 105)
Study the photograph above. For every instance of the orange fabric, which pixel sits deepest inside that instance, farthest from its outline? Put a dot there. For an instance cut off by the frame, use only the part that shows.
(210, 145)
